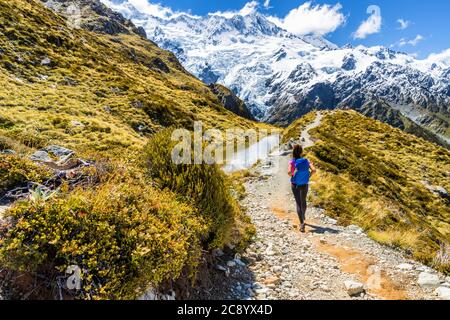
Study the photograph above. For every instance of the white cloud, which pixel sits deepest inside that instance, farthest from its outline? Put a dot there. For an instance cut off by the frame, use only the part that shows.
(416, 40)
(442, 57)
(370, 26)
(413, 42)
(249, 8)
(404, 24)
(143, 6)
(309, 19)
(267, 4)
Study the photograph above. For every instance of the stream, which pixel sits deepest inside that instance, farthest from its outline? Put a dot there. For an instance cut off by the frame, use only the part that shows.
(245, 159)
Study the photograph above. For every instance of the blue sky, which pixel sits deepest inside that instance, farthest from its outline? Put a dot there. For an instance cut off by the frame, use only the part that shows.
(426, 24)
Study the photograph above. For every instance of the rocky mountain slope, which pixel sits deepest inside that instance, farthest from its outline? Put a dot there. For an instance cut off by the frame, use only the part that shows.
(281, 76)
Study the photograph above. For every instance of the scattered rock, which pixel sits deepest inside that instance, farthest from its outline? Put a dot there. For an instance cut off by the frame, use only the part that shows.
(355, 229)
(75, 123)
(332, 221)
(354, 288)
(41, 156)
(217, 253)
(46, 61)
(272, 280)
(405, 266)
(239, 262)
(231, 264)
(8, 151)
(443, 293)
(428, 280)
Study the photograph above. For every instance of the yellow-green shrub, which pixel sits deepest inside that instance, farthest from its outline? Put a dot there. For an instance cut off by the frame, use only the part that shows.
(124, 235)
(205, 186)
(15, 171)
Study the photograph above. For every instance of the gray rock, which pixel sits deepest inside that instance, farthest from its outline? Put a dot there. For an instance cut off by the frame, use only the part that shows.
(46, 61)
(443, 293)
(231, 264)
(447, 279)
(217, 253)
(8, 151)
(428, 280)
(355, 229)
(405, 266)
(75, 123)
(58, 151)
(41, 156)
(354, 288)
(332, 221)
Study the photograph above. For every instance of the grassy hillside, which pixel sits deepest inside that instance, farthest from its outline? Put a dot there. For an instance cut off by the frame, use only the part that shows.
(91, 91)
(376, 176)
(105, 97)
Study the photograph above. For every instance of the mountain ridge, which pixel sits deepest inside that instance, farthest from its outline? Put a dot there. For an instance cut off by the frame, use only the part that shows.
(281, 76)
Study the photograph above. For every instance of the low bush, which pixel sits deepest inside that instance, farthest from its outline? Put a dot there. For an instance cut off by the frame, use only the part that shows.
(203, 185)
(15, 171)
(124, 235)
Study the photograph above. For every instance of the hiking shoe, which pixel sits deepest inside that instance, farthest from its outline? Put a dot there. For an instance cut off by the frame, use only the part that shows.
(302, 228)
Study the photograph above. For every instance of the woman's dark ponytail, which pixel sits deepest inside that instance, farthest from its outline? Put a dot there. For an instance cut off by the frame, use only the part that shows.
(298, 152)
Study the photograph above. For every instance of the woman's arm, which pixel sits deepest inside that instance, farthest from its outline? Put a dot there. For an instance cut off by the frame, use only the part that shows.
(312, 168)
(290, 169)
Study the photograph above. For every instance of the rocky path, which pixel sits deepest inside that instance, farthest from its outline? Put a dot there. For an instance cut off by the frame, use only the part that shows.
(327, 262)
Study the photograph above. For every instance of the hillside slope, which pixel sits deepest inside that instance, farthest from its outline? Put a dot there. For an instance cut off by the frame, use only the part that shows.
(92, 91)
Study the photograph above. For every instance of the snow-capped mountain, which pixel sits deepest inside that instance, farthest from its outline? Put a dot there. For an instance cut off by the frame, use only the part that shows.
(282, 76)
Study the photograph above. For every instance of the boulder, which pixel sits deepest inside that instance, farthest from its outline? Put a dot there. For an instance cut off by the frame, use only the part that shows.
(41, 156)
(354, 288)
(443, 293)
(428, 280)
(58, 151)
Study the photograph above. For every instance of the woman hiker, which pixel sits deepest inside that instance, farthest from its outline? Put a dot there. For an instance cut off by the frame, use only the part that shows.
(300, 171)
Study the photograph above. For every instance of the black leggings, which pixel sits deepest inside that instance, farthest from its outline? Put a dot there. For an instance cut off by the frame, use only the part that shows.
(300, 193)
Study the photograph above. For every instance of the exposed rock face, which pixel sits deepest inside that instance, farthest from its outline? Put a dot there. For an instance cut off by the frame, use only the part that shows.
(93, 15)
(230, 101)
